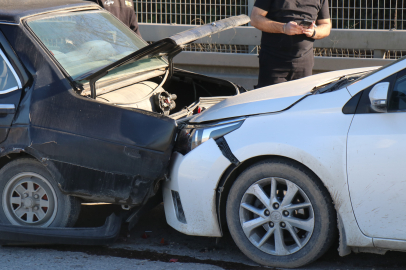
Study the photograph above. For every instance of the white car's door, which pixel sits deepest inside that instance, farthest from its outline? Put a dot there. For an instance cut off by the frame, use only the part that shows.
(376, 163)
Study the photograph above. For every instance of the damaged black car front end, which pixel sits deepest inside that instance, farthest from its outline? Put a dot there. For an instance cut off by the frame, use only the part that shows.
(89, 113)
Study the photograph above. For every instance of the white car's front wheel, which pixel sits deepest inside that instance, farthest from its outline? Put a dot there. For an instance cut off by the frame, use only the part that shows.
(279, 214)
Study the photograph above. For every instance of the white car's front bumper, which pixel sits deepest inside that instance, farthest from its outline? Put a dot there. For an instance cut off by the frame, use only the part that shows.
(195, 177)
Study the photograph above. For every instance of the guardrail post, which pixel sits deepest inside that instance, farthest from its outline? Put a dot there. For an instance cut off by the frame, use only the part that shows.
(250, 6)
(379, 54)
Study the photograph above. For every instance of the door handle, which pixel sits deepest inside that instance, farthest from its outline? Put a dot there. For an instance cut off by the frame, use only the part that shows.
(7, 108)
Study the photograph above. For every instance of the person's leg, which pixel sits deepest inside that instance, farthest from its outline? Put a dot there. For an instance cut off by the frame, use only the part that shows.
(303, 67)
(271, 71)
(298, 73)
(271, 80)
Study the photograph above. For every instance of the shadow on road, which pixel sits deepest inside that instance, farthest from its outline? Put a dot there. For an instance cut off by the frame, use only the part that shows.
(154, 240)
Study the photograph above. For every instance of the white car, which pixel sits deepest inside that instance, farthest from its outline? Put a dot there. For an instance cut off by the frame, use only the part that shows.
(287, 167)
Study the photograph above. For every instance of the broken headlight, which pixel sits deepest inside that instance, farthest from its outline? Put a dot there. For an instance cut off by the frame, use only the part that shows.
(192, 136)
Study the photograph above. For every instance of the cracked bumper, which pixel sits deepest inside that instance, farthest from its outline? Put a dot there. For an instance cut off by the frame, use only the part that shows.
(195, 177)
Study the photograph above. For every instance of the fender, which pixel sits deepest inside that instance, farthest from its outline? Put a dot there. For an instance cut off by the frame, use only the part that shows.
(313, 136)
(125, 189)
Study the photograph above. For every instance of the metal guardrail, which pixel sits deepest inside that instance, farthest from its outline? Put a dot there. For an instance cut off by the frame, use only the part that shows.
(243, 68)
(339, 38)
(232, 54)
(345, 14)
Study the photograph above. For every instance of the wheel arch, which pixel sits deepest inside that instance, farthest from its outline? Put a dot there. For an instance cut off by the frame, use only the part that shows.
(9, 157)
(13, 153)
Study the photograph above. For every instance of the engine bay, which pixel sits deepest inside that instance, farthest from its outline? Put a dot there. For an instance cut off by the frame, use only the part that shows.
(180, 95)
(146, 95)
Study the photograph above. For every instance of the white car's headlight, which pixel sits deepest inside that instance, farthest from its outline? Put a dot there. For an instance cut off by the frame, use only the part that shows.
(192, 136)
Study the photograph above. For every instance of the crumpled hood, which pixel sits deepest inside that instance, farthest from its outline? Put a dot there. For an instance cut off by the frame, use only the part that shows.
(269, 99)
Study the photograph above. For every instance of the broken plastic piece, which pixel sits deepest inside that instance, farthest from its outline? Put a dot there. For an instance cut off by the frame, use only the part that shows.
(12, 234)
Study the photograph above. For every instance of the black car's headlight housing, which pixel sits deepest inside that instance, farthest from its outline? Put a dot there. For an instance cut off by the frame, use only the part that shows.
(191, 136)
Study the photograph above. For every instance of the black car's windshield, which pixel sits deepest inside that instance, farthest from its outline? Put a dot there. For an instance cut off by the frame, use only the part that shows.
(89, 40)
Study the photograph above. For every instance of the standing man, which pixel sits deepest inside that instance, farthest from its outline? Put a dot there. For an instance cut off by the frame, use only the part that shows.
(123, 10)
(287, 44)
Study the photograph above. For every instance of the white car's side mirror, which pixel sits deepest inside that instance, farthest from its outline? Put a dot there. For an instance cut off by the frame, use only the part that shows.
(379, 97)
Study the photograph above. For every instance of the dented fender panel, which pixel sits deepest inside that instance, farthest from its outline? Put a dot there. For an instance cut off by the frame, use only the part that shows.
(99, 170)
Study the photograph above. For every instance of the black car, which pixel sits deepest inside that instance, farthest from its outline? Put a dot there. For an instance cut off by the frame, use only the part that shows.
(88, 110)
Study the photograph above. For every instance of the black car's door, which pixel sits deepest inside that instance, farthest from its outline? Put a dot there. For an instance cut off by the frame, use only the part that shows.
(10, 94)
(102, 152)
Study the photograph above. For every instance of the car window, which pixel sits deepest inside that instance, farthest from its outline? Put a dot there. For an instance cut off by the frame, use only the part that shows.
(7, 80)
(398, 98)
(89, 40)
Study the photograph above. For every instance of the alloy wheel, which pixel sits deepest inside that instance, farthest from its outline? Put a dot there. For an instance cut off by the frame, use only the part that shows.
(276, 216)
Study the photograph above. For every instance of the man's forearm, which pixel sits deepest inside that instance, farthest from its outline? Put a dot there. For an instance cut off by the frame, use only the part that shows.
(264, 24)
(322, 30)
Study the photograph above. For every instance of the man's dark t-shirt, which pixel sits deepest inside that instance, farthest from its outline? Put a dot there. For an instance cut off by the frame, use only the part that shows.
(284, 11)
(123, 10)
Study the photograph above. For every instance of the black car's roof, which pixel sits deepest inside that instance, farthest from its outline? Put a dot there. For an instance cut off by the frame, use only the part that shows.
(12, 11)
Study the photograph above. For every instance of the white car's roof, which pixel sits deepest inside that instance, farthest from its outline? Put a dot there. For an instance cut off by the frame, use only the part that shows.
(273, 98)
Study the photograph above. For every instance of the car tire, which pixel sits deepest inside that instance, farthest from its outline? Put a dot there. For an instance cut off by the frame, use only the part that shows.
(31, 197)
(268, 238)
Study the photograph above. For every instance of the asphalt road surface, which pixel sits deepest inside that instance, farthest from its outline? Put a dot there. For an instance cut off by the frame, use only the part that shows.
(152, 244)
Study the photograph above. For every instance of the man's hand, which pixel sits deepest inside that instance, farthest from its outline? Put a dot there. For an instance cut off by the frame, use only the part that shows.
(322, 31)
(309, 31)
(291, 29)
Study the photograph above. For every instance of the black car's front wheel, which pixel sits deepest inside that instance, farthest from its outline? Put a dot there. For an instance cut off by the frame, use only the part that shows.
(280, 215)
(31, 197)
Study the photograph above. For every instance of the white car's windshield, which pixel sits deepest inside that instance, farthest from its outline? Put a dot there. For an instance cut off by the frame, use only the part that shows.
(88, 40)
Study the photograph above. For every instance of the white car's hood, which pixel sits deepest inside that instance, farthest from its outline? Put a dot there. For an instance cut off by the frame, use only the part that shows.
(268, 99)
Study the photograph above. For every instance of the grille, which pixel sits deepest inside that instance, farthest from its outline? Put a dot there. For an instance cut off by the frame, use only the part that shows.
(356, 53)
(395, 54)
(221, 48)
(194, 12)
(368, 14)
